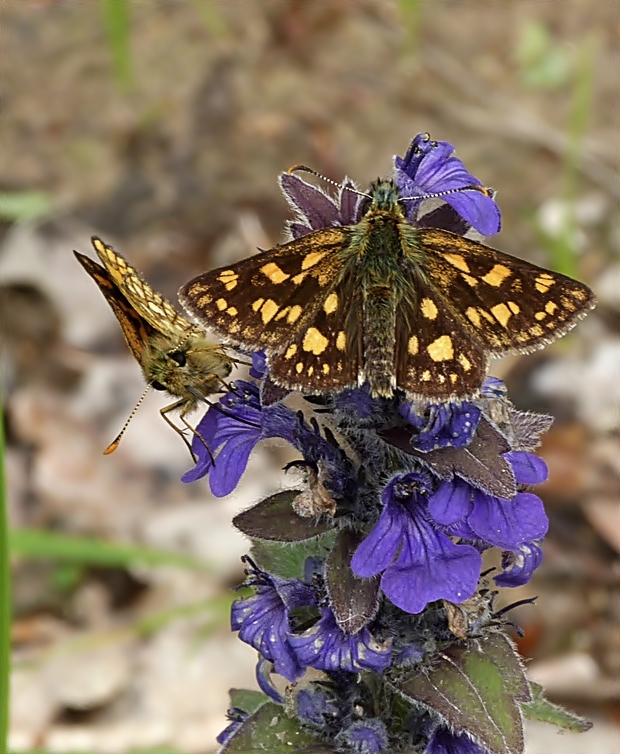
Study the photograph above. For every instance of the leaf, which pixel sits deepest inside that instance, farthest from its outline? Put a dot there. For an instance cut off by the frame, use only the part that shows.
(480, 463)
(39, 544)
(247, 699)
(270, 730)
(544, 711)
(274, 519)
(475, 687)
(354, 601)
(287, 559)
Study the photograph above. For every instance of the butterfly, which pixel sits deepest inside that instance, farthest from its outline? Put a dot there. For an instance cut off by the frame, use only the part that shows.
(175, 355)
(421, 310)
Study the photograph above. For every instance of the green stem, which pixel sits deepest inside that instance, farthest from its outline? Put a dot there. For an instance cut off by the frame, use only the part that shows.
(5, 605)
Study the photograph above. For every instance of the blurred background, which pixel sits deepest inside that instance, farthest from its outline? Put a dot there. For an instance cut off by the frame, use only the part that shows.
(162, 126)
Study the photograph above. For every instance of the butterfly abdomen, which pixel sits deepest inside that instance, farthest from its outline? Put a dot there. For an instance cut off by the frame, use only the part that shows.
(380, 270)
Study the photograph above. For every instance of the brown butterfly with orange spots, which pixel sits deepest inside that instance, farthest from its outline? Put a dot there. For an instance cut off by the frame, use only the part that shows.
(175, 356)
(385, 302)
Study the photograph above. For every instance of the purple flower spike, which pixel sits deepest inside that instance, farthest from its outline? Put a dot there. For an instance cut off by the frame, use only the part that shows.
(519, 566)
(428, 565)
(445, 742)
(326, 647)
(259, 368)
(263, 620)
(430, 167)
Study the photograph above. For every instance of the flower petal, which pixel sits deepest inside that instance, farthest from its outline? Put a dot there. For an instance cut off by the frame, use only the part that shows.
(380, 547)
(430, 567)
(508, 523)
(528, 468)
(451, 502)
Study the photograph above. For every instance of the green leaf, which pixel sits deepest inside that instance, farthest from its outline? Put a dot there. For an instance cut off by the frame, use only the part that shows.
(274, 519)
(475, 687)
(354, 600)
(247, 699)
(542, 710)
(39, 544)
(5, 604)
(270, 730)
(288, 559)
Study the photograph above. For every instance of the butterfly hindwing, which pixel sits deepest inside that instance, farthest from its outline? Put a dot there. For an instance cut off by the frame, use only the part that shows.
(268, 300)
(434, 355)
(505, 304)
(327, 354)
(136, 329)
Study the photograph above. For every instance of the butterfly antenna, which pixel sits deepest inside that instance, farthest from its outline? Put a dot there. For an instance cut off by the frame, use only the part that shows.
(437, 194)
(116, 442)
(305, 169)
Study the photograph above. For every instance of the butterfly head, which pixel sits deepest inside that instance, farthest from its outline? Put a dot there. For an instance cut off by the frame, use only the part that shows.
(384, 196)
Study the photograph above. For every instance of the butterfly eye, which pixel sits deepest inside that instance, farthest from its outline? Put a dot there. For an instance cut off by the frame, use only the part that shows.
(178, 357)
(157, 385)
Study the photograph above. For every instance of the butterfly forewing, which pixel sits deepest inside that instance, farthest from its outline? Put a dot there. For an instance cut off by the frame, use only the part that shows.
(268, 300)
(147, 302)
(137, 331)
(506, 304)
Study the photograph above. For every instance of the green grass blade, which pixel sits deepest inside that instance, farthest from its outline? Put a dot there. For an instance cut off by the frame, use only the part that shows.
(91, 551)
(5, 605)
(116, 17)
(16, 206)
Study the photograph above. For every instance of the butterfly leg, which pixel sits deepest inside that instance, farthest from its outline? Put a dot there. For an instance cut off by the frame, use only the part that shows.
(172, 407)
(182, 404)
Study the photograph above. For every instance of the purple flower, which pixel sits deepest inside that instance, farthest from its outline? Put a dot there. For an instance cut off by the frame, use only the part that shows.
(233, 428)
(519, 566)
(315, 209)
(326, 647)
(445, 742)
(474, 514)
(430, 167)
(317, 706)
(264, 669)
(420, 563)
(236, 717)
(443, 424)
(263, 619)
(259, 369)
(367, 736)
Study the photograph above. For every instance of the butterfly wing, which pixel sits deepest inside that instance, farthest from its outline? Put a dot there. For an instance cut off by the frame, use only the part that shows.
(464, 302)
(435, 357)
(325, 355)
(137, 331)
(506, 304)
(272, 299)
(153, 307)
